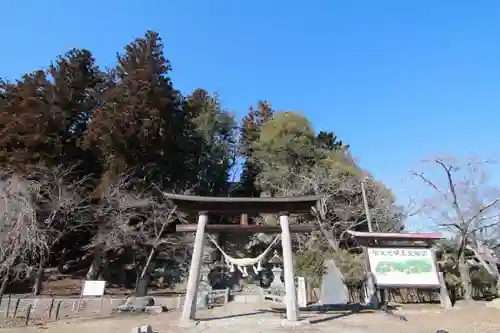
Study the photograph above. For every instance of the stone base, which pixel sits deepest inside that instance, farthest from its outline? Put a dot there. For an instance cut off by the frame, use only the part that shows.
(187, 323)
(142, 329)
(247, 298)
(292, 324)
(155, 309)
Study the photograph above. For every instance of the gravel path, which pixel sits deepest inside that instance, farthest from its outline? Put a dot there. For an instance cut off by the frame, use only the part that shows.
(253, 318)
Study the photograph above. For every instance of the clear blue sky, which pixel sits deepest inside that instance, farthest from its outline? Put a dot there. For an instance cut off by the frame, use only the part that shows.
(398, 80)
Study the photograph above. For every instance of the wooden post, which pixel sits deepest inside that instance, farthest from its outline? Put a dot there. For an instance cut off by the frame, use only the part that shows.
(102, 302)
(444, 296)
(371, 298)
(58, 309)
(244, 219)
(79, 301)
(8, 307)
(51, 307)
(28, 313)
(16, 307)
(367, 209)
(292, 309)
(189, 308)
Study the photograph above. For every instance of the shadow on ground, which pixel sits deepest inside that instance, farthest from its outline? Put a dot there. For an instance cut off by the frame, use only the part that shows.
(235, 315)
(313, 314)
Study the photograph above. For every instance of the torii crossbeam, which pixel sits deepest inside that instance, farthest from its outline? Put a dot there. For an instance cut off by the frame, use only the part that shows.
(283, 206)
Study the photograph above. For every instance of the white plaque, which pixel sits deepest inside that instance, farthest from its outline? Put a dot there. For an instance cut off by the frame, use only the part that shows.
(93, 288)
(301, 292)
(403, 267)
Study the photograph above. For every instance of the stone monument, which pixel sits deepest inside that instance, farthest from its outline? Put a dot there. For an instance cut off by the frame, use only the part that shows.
(333, 288)
(301, 291)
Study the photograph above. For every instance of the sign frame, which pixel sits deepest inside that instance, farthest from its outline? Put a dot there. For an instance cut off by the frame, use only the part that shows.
(382, 285)
(91, 289)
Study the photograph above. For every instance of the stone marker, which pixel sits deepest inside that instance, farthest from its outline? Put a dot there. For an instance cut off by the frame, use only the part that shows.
(301, 292)
(143, 329)
(333, 289)
(204, 289)
(141, 290)
(155, 309)
(137, 304)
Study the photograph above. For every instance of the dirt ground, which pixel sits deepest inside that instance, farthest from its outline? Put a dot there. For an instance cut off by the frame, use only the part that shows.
(473, 317)
(67, 286)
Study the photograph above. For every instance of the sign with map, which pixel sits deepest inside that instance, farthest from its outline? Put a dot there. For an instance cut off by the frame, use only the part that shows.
(412, 267)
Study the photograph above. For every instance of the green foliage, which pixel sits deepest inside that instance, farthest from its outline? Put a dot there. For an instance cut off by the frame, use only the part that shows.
(481, 278)
(311, 265)
(351, 265)
(284, 156)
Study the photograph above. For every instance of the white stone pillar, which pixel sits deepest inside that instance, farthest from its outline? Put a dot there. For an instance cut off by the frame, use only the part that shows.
(292, 308)
(189, 308)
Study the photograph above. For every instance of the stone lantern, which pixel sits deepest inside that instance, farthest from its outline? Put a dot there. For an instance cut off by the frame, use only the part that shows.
(206, 263)
(277, 262)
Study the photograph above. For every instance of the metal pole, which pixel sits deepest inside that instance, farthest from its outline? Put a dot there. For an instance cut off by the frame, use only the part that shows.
(370, 285)
(367, 210)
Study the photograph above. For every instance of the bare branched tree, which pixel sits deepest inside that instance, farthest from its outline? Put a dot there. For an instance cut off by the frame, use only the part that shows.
(37, 211)
(114, 218)
(63, 207)
(465, 203)
(341, 207)
(128, 219)
(154, 233)
(21, 238)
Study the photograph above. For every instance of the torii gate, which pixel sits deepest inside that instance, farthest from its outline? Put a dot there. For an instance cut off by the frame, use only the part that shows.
(283, 206)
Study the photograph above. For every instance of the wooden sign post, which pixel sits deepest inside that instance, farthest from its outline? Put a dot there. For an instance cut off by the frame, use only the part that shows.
(401, 260)
(92, 289)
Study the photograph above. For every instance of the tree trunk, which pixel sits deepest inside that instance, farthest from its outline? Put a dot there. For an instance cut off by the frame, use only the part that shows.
(60, 265)
(463, 268)
(492, 269)
(93, 272)
(37, 286)
(5, 282)
(332, 241)
(147, 267)
(103, 271)
(142, 284)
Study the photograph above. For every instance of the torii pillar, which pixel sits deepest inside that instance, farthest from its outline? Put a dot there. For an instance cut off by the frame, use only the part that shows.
(283, 206)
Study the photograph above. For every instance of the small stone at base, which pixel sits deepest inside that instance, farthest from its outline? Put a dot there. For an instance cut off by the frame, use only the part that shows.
(288, 323)
(156, 309)
(187, 323)
(143, 329)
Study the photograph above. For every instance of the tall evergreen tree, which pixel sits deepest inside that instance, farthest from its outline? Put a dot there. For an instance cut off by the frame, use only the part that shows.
(249, 134)
(212, 142)
(30, 123)
(43, 115)
(138, 121)
(78, 85)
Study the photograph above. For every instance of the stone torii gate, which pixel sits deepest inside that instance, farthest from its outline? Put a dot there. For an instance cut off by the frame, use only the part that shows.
(283, 206)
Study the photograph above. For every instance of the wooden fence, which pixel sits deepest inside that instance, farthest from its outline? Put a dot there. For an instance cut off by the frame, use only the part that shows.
(356, 295)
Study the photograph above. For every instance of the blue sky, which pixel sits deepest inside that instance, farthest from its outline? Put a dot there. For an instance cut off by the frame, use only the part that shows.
(397, 80)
